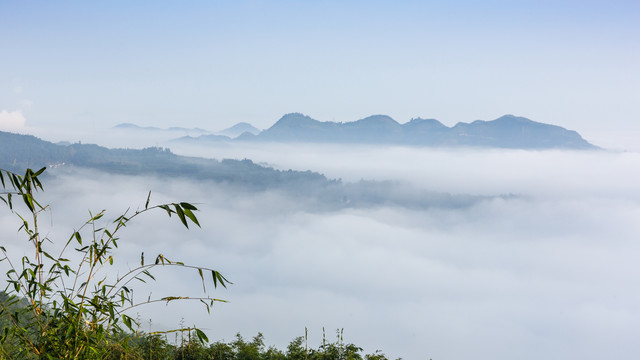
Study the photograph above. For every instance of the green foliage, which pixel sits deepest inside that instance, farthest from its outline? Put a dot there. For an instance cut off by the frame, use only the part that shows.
(54, 307)
(255, 349)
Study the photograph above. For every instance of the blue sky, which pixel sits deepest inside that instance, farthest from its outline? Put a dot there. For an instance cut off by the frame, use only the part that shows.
(542, 276)
(211, 64)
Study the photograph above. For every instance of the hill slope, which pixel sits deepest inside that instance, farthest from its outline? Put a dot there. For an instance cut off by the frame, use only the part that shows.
(17, 152)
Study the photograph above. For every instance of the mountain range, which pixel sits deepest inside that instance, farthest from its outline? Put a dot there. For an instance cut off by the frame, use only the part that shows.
(129, 126)
(228, 133)
(18, 152)
(508, 131)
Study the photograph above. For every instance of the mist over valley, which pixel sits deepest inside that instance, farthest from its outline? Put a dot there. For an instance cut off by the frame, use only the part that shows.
(499, 249)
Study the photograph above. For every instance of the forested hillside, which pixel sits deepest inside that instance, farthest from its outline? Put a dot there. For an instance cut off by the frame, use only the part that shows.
(18, 152)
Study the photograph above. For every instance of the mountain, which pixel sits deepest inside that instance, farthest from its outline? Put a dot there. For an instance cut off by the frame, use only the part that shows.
(311, 189)
(239, 129)
(17, 152)
(202, 139)
(134, 127)
(299, 128)
(231, 132)
(517, 132)
(508, 131)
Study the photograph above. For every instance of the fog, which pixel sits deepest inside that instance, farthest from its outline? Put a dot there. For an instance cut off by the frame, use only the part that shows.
(548, 273)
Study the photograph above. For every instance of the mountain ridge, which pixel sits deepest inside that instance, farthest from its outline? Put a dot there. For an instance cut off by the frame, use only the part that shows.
(507, 131)
(130, 126)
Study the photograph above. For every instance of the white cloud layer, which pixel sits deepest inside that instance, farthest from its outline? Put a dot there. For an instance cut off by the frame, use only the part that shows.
(550, 274)
(11, 120)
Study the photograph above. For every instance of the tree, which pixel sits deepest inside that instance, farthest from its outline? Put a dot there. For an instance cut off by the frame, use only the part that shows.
(61, 308)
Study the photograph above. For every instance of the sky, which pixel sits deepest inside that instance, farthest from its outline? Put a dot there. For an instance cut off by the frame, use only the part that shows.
(211, 64)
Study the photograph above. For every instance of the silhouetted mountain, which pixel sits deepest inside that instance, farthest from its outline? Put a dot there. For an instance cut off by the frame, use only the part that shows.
(246, 136)
(299, 128)
(517, 132)
(193, 133)
(505, 132)
(239, 129)
(201, 139)
(134, 127)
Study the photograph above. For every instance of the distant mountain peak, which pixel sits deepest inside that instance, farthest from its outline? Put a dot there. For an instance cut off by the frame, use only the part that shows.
(126, 126)
(239, 129)
(424, 124)
(134, 127)
(377, 119)
(242, 124)
(513, 118)
(294, 119)
(130, 126)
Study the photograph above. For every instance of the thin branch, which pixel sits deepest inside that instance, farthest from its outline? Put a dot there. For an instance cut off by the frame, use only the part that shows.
(168, 299)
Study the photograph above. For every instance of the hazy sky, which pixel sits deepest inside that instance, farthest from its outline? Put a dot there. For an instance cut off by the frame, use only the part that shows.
(210, 64)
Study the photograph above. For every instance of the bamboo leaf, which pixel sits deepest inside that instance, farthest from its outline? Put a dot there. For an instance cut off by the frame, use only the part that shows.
(69, 331)
(28, 200)
(15, 181)
(100, 214)
(180, 213)
(201, 335)
(191, 216)
(188, 206)
(166, 208)
(146, 272)
(39, 171)
(217, 277)
(206, 305)
(146, 205)
(202, 277)
(127, 321)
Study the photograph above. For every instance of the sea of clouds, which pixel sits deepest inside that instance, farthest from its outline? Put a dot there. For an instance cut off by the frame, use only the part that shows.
(550, 272)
